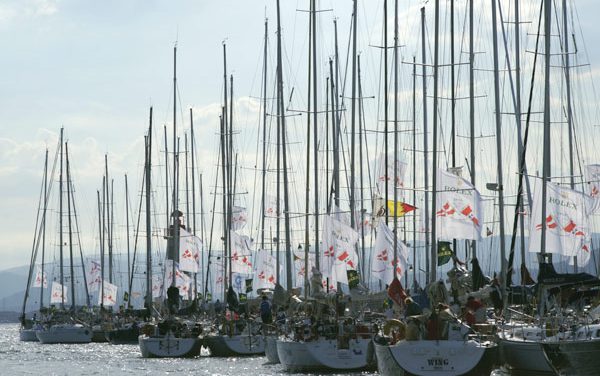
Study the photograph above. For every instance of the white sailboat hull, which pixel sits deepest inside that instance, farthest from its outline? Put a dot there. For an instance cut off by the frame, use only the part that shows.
(324, 354)
(169, 346)
(28, 335)
(65, 333)
(431, 358)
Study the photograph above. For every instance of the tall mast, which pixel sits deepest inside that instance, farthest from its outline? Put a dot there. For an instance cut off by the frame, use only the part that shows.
(127, 235)
(224, 182)
(112, 223)
(500, 186)
(100, 225)
(225, 161)
(230, 172)
(102, 243)
(307, 194)
(281, 115)
(107, 218)
(193, 230)
(425, 142)
(414, 158)
(435, 140)
(337, 122)
(187, 190)
(264, 148)
(316, 139)
(44, 228)
(361, 174)
(70, 228)
(353, 117)
(520, 149)
(60, 221)
(472, 106)
(546, 170)
(385, 107)
(148, 175)
(569, 107)
(175, 172)
(395, 136)
(167, 175)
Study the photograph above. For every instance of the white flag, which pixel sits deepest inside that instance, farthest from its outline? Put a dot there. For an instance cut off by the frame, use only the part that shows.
(338, 249)
(94, 276)
(190, 247)
(58, 292)
(40, 279)
(110, 294)
(458, 208)
(241, 254)
(157, 286)
(567, 221)
(382, 262)
(592, 173)
(299, 266)
(393, 181)
(218, 275)
(183, 283)
(264, 275)
(271, 206)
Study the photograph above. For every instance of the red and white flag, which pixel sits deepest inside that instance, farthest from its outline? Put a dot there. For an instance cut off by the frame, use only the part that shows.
(266, 269)
(567, 221)
(110, 294)
(241, 253)
(338, 249)
(387, 177)
(382, 262)
(40, 279)
(459, 209)
(190, 248)
(239, 218)
(94, 276)
(272, 210)
(58, 292)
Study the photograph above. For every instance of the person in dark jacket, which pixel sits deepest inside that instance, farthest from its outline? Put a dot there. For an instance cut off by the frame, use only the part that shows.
(265, 310)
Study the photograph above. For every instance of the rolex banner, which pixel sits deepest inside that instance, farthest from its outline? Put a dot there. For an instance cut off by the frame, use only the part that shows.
(458, 208)
(567, 222)
(444, 253)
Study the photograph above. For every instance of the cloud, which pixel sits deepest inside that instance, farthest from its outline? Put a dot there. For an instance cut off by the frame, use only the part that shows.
(12, 11)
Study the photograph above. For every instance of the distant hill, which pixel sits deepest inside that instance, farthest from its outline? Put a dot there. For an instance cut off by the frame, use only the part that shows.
(12, 288)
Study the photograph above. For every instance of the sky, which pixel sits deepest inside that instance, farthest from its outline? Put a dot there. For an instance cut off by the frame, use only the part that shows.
(95, 68)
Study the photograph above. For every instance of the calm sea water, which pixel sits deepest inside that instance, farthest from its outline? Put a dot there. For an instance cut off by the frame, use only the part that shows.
(32, 358)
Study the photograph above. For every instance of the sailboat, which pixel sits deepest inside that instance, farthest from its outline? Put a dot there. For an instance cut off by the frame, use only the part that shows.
(232, 335)
(28, 326)
(561, 343)
(175, 336)
(63, 326)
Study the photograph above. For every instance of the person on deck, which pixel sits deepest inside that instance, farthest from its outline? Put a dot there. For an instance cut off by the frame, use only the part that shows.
(412, 308)
(475, 311)
(265, 311)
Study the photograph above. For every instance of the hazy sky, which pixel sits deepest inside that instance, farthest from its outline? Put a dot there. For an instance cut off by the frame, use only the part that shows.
(95, 67)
